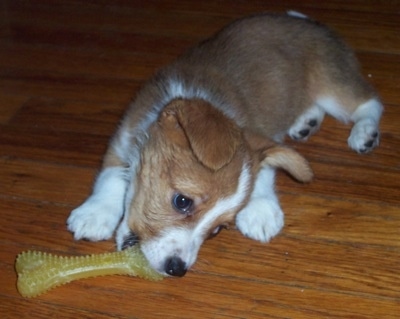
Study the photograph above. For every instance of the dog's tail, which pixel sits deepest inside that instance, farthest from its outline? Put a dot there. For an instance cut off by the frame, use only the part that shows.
(290, 161)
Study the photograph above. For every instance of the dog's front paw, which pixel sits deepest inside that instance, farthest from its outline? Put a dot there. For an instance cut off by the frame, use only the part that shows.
(94, 220)
(261, 219)
(364, 136)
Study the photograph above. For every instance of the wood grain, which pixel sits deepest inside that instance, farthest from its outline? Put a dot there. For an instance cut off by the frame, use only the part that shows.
(67, 72)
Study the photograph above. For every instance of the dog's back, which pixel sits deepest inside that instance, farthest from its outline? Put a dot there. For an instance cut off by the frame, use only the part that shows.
(267, 70)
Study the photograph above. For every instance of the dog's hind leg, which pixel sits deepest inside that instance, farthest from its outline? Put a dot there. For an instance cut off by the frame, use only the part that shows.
(336, 86)
(348, 100)
(307, 124)
(364, 136)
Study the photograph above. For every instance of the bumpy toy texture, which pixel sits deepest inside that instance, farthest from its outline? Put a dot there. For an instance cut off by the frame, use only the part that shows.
(39, 272)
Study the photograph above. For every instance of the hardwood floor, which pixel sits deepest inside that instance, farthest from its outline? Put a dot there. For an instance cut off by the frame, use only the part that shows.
(67, 71)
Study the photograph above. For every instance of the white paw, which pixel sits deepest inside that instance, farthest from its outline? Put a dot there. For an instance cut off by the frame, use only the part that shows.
(364, 136)
(261, 219)
(94, 220)
(307, 124)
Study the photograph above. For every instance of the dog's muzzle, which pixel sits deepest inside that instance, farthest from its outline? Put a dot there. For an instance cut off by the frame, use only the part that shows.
(175, 267)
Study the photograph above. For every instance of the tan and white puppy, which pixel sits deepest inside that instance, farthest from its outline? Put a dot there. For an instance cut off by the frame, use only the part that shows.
(194, 152)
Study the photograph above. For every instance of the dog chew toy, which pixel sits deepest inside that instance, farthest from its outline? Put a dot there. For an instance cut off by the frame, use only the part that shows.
(39, 272)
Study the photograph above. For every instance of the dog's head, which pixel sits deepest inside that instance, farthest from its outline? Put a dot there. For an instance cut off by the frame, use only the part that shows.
(197, 171)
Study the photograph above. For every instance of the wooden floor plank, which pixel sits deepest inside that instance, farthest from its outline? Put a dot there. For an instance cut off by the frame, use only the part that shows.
(198, 24)
(71, 116)
(346, 222)
(100, 43)
(100, 65)
(67, 72)
(44, 181)
(52, 146)
(247, 7)
(46, 310)
(336, 181)
(50, 85)
(10, 104)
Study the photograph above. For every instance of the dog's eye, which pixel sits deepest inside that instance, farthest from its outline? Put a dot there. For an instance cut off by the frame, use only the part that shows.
(182, 203)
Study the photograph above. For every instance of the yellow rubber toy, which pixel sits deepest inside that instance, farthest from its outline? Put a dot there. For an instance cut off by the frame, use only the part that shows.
(39, 272)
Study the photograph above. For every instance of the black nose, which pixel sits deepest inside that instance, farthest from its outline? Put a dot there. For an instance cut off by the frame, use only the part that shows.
(175, 267)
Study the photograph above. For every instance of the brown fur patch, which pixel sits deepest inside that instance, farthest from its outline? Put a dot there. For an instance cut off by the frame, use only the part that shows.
(213, 137)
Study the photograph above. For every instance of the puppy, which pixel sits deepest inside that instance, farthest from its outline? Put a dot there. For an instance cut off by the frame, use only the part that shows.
(196, 149)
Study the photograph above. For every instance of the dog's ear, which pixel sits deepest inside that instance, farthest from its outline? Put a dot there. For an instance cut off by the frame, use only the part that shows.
(212, 136)
(269, 153)
(171, 128)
